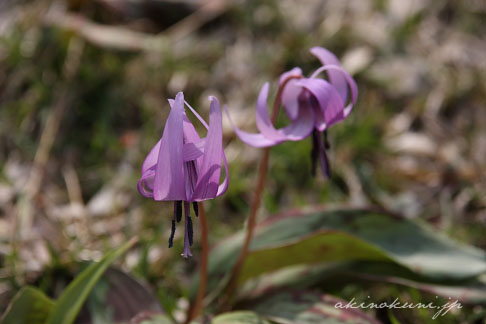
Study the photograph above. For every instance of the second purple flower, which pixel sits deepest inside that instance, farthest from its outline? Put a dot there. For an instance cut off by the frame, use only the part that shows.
(312, 105)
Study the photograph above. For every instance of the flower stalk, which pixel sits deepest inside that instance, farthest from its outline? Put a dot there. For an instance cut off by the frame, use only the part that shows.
(198, 305)
(228, 291)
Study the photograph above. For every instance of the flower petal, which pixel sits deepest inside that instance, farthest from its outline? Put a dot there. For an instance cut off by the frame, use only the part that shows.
(264, 124)
(290, 93)
(298, 129)
(169, 172)
(224, 185)
(290, 98)
(252, 139)
(210, 170)
(145, 184)
(336, 78)
(350, 82)
(192, 151)
(197, 115)
(190, 133)
(303, 125)
(151, 158)
(328, 98)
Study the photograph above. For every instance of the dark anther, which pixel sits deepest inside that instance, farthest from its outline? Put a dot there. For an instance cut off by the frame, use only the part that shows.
(178, 210)
(196, 208)
(327, 170)
(190, 231)
(172, 232)
(314, 153)
(326, 140)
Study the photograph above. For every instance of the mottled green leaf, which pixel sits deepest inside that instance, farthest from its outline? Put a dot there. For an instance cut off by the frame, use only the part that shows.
(348, 235)
(307, 308)
(302, 276)
(289, 278)
(69, 303)
(240, 317)
(29, 306)
(473, 291)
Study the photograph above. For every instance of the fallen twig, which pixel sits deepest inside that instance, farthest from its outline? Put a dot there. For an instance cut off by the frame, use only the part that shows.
(121, 38)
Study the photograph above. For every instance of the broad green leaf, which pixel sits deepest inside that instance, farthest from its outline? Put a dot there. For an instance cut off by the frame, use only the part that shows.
(307, 308)
(333, 246)
(29, 306)
(240, 317)
(290, 278)
(69, 303)
(303, 276)
(347, 235)
(473, 291)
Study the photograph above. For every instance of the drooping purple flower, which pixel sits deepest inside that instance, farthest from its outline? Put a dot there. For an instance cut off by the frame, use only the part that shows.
(312, 104)
(185, 168)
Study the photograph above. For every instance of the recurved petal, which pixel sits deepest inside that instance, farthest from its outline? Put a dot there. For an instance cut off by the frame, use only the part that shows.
(303, 125)
(336, 78)
(291, 92)
(224, 185)
(298, 129)
(252, 139)
(290, 98)
(264, 124)
(152, 157)
(349, 80)
(210, 170)
(145, 184)
(328, 99)
(169, 173)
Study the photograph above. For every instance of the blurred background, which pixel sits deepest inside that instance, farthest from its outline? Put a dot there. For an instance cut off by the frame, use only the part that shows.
(83, 97)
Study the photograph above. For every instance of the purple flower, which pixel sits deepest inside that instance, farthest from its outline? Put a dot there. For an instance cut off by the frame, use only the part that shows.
(183, 167)
(312, 105)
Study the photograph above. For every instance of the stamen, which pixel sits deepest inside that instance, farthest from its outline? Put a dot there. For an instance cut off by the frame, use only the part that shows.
(327, 169)
(188, 230)
(325, 166)
(172, 233)
(196, 208)
(314, 153)
(327, 146)
(178, 210)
